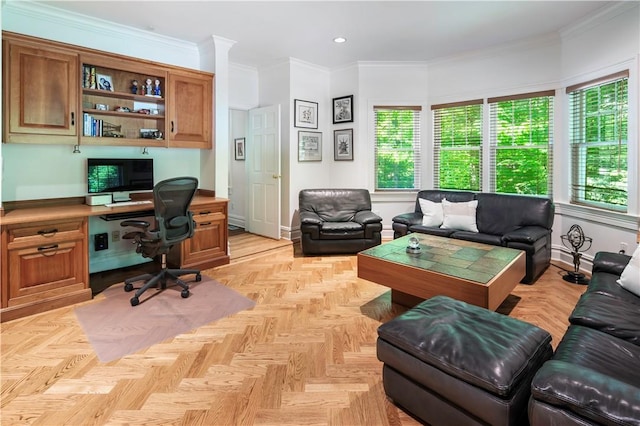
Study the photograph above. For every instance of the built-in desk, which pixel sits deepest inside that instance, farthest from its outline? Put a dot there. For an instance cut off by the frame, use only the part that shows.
(45, 261)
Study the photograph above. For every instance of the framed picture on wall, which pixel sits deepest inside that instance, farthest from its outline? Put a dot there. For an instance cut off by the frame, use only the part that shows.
(239, 148)
(309, 146)
(305, 114)
(343, 109)
(343, 145)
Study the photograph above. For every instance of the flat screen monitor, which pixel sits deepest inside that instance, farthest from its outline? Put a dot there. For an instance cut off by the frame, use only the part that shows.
(119, 175)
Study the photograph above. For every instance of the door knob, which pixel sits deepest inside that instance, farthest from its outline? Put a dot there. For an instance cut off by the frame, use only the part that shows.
(276, 176)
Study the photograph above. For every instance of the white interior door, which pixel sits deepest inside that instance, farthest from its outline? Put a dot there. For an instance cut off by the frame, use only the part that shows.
(263, 172)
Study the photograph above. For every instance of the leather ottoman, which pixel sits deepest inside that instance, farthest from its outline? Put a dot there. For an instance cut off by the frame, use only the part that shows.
(450, 363)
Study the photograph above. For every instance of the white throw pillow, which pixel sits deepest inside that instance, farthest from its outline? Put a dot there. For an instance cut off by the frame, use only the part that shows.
(630, 278)
(460, 216)
(431, 213)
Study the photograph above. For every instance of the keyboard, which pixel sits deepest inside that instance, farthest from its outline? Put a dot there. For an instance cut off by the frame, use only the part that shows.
(129, 203)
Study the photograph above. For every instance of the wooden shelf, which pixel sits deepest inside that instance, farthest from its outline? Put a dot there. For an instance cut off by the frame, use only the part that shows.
(124, 114)
(123, 95)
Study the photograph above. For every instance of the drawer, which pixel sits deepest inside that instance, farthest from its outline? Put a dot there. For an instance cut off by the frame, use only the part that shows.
(32, 234)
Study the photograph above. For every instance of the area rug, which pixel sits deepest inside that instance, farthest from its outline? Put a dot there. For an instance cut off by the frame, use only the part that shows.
(115, 328)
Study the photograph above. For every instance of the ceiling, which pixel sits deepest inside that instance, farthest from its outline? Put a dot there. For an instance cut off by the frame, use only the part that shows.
(269, 31)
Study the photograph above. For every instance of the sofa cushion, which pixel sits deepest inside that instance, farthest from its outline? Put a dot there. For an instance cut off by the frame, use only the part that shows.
(607, 284)
(460, 216)
(630, 278)
(440, 232)
(431, 212)
(609, 315)
(437, 195)
(593, 375)
(500, 214)
(477, 237)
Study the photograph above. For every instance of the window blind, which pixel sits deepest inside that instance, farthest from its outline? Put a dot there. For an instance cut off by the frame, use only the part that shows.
(397, 147)
(598, 115)
(521, 140)
(458, 145)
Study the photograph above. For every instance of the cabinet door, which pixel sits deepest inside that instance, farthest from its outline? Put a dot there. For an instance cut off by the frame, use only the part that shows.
(43, 94)
(190, 108)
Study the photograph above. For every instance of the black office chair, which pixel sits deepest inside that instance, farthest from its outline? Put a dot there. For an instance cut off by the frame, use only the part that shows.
(174, 221)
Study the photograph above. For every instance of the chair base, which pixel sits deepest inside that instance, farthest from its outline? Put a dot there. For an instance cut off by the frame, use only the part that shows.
(160, 280)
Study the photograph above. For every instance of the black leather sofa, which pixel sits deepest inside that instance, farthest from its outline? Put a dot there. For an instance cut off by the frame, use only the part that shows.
(594, 375)
(515, 221)
(335, 221)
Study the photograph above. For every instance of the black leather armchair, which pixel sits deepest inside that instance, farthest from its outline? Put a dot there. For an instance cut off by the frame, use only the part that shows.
(171, 199)
(337, 221)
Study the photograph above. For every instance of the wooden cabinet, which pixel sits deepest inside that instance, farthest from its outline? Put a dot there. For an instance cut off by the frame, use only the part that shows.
(45, 266)
(190, 97)
(208, 246)
(112, 113)
(53, 94)
(40, 93)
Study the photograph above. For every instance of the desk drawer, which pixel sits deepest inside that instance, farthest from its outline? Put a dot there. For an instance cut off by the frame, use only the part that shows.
(44, 233)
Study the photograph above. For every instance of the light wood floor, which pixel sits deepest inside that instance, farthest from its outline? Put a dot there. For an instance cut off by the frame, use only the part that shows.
(305, 355)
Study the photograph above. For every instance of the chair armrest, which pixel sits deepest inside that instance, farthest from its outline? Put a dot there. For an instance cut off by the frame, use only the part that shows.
(367, 216)
(526, 234)
(142, 224)
(409, 219)
(613, 263)
(310, 218)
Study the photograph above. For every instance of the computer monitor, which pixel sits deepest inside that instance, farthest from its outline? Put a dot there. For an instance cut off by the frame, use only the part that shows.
(119, 176)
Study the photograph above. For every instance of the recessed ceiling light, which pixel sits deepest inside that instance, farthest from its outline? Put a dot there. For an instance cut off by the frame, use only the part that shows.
(339, 40)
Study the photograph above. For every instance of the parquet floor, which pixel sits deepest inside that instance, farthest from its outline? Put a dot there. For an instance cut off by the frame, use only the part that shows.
(305, 355)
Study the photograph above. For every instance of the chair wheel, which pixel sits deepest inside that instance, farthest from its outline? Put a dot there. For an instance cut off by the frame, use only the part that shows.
(184, 294)
(128, 287)
(135, 301)
(198, 277)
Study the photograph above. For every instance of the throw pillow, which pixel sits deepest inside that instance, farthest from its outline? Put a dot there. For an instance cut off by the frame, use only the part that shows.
(460, 216)
(431, 213)
(630, 278)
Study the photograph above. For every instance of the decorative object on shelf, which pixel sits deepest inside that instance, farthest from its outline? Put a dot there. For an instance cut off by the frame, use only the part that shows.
(111, 130)
(123, 109)
(414, 245)
(575, 240)
(309, 146)
(148, 90)
(104, 82)
(134, 87)
(102, 107)
(156, 89)
(343, 145)
(150, 134)
(305, 114)
(343, 109)
(239, 148)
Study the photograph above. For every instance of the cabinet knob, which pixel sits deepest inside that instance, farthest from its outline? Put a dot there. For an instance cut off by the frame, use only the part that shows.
(73, 118)
(171, 126)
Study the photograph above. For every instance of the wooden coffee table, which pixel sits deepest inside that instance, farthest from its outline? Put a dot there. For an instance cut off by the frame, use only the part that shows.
(479, 274)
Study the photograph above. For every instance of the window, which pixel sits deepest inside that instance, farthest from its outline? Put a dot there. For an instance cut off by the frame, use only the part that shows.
(397, 148)
(521, 138)
(598, 137)
(458, 145)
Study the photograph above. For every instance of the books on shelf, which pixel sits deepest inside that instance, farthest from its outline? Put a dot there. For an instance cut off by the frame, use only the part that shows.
(89, 77)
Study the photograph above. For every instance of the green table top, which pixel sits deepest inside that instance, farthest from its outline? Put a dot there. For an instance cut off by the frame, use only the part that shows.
(458, 258)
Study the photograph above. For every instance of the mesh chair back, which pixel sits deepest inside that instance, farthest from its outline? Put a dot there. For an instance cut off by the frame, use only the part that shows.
(172, 198)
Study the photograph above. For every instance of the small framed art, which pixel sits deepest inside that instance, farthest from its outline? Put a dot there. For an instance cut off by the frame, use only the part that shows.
(343, 145)
(104, 82)
(239, 148)
(305, 114)
(309, 146)
(343, 109)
